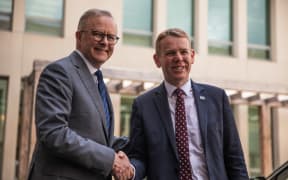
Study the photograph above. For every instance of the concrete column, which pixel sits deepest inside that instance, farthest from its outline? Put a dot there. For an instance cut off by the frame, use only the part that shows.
(240, 36)
(201, 27)
(11, 124)
(274, 32)
(282, 134)
(18, 17)
(159, 14)
(13, 71)
(116, 101)
(241, 118)
(266, 143)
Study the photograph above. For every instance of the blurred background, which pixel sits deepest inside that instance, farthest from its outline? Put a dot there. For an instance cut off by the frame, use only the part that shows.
(241, 46)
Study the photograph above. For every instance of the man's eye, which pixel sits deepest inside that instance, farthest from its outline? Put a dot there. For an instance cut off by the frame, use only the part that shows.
(170, 53)
(184, 52)
(95, 33)
(110, 37)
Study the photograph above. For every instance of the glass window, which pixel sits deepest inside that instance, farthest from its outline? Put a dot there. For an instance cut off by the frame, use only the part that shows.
(138, 22)
(5, 14)
(220, 27)
(181, 15)
(3, 104)
(126, 109)
(44, 16)
(254, 141)
(258, 29)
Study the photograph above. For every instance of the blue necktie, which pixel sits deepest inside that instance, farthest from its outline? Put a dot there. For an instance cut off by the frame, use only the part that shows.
(103, 93)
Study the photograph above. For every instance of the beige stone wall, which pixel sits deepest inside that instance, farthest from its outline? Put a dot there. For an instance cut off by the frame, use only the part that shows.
(282, 135)
(19, 49)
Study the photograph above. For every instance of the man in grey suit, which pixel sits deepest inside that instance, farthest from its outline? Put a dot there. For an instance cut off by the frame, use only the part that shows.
(182, 129)
(74, 114)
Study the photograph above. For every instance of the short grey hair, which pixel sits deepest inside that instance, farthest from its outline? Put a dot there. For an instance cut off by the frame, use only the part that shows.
(92, 13)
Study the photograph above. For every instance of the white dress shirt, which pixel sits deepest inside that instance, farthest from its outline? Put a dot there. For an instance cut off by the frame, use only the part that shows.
(196, 151)
(91, 68)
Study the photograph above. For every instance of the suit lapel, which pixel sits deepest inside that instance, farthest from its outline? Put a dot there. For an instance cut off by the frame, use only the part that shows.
(162, 105)
(110, 106)
(91, 87)
(201, 107)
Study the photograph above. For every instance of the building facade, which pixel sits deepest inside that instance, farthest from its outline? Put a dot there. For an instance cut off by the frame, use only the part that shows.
(240, 46)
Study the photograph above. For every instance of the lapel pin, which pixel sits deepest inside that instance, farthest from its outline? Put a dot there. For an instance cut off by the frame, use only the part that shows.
(202, 97)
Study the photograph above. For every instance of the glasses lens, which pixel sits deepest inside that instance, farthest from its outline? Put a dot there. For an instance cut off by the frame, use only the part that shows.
(99, 36)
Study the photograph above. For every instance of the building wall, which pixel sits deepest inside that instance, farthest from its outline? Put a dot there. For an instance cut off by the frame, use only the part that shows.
(282, 131)
(18, 50)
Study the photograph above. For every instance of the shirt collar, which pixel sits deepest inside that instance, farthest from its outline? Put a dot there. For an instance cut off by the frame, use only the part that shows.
(91, 68)
(187, 88)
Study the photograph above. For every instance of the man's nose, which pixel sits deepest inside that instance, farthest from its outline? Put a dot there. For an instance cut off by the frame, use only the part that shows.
(104, 39)
(178, 56)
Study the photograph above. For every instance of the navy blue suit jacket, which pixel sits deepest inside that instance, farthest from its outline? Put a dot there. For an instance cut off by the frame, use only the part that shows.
(153, 149)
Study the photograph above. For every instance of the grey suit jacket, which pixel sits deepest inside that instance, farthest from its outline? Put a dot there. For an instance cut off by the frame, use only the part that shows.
(153, 147)
(72, 138)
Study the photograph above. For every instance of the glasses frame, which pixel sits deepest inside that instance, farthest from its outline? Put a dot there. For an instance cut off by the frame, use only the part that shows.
(99, 36)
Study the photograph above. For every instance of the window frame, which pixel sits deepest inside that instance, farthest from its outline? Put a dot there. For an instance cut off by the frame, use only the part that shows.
(253, 48)
(139, 37)
(223, 47)
(9, 17)
(192, 28)
(4, 120)
(251, 108)
(32, 24)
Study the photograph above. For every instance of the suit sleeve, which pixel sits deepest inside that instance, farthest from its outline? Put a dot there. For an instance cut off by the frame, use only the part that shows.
(233, 154)
(137, 150)
(53, 108)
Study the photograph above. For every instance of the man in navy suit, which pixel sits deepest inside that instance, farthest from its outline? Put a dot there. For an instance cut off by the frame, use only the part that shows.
(214, 150)
(74, 122)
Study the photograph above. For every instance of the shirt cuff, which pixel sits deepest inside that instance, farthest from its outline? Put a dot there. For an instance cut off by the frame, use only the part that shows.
(134, 172)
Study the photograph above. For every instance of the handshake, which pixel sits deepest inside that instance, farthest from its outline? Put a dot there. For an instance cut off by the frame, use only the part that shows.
(122, 169)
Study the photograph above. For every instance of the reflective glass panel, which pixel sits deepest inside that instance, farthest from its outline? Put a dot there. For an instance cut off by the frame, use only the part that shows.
(258, 29)
(220, 26)
(180, 15)
(5, 14)
(44, 16)
(126, 109)
(3, 105)
(254, 141)
(138, 22)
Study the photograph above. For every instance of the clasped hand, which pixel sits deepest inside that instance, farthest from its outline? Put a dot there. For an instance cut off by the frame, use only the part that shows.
(122, 169)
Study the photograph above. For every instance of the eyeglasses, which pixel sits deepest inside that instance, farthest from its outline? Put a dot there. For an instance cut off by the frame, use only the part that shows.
(99, 36)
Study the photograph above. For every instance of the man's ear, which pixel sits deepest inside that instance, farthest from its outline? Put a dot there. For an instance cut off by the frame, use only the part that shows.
(78, 35)
(192, 56)
(156, 60)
